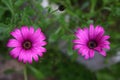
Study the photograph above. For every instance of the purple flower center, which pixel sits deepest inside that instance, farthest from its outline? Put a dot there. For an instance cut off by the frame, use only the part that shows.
(92, 44)
(27, 44)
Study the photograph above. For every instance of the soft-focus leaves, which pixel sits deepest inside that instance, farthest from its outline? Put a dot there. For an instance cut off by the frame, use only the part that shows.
(9, 4)
(36, 72)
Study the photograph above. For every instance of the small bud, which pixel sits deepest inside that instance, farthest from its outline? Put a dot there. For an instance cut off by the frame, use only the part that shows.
(61, 8)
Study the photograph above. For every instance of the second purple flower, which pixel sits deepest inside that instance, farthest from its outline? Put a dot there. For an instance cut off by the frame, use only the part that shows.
(89, 40)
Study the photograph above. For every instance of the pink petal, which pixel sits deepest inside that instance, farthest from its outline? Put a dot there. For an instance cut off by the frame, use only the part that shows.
(79, 51)
(40, 43)
(43, 43)
(31, 31)
(78, 41)
(42, 49)
(86, 32)
(35, 57)
(82, 35)
(21, 55)
(25, 32)
(77, 46)
(38, 35)
(91, 31)
(98, 49)
(105, 42)
(106, 37)
(84, 50)
(78, 29)
(25, 56)
(15, 52)
(98, 30)
(103, 53)
(17, 34)
(40, 54)
(29, 55)
(39, 49)
(106, 47)
(91, 53)
(13, 43)
(99, 36)
(86, 56)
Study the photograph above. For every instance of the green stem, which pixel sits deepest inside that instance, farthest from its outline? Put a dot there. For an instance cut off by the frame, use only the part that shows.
(93, 4)
(25, 73)
(53, 11)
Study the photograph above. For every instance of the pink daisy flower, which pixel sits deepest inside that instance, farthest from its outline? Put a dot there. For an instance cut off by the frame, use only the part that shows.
(27, 44)
(90, 40)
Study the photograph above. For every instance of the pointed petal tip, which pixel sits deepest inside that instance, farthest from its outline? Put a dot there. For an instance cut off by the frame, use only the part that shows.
(91, 25)
(86, 58)
(24, 26)
(103, 53)
(92, 53)
(76, 47)
(91, 31)
(78, 29)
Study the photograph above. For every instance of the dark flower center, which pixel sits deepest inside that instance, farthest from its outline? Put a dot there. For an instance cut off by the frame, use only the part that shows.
(27, 45)
(92, 44)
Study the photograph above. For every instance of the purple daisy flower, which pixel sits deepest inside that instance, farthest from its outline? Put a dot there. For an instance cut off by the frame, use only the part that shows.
(90, 40)
(27, 44)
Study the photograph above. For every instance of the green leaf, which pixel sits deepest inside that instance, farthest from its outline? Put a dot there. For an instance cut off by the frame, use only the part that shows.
(36, 72)
(9, 4)
(2, 10)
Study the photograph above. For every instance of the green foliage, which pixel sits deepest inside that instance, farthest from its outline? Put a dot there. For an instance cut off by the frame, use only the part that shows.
(80, 13)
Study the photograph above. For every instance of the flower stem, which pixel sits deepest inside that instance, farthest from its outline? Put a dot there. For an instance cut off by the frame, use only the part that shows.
(25, 72)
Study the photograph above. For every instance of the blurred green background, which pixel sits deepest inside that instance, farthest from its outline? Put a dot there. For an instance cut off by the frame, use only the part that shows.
(60, 62)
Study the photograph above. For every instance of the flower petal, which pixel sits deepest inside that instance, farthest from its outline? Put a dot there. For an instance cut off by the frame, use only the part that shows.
(76, 47)
(25, 56)
(15, 52)
(106, 47)
(82, 34)
(103, 53)
(17, 35)
(105, 42)
(106, 37)
(86, 33)
(42, 49)
(91, 31)
(84, 50)
(86, 56)
(91, 53)
(78, 41)
(98, 49)
(40, 43)
(35, 57)
(31, 31)
(99, 37)
(98, 30)
(38, 35)
(25, 32)
(13, 43)
(39, 49)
